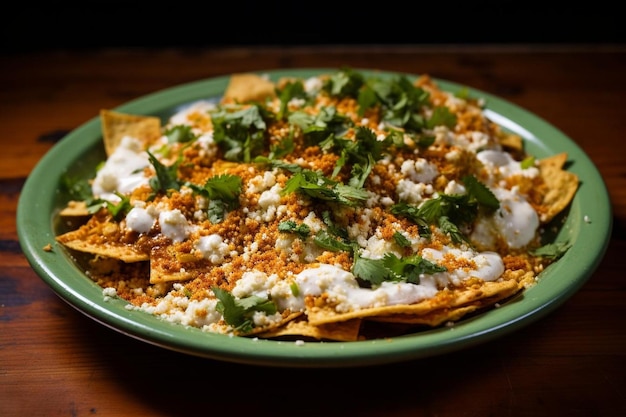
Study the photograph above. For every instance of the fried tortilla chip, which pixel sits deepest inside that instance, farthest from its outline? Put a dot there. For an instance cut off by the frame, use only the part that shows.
(75, 209)
(99, 236)
(432, 319)
(346, 331)
(287, 317)
(75, 240)
(562, 186)
(248, 87)
(171, 263)
(320, 313)
(117, 125)
(512, 141)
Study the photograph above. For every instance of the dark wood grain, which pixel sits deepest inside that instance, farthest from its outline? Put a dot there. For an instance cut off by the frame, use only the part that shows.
(56, 362)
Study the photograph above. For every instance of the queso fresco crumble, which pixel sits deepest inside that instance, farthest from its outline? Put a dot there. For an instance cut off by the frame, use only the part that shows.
(336, 207)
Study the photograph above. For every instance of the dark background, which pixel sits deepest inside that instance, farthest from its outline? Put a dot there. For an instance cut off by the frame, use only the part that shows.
(96, 24)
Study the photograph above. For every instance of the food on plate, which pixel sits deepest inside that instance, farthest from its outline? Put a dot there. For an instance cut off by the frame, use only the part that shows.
(340, 207)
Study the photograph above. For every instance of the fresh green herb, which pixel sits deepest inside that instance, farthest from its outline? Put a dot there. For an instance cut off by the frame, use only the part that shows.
(392, 268)
(290, 91)
(442, 116)
(223, 193)
(240, 133)
(344, 83)
(317, 186)
(295, 290)
(79, 189)
(480, 193)
(410, 268)
(451, 229)
(450, 211)
(528, 162)
(401, 240)
(552, 251)
(332, 242)
(412, 213)
(180, 134)
(119, 210)
(301, 230)
(239, 313)
(166, 177)
(401, 102)
(319, 127)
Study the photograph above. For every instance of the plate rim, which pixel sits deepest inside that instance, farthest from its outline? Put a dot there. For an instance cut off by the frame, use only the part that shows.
(35, 230)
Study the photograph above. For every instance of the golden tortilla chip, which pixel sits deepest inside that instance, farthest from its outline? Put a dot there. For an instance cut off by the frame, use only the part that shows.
(562, 186)
(117, 125)
(319, 313)
(168, 264)
(248, 87)
(287, 317)
(346, 331)
(99, 236)
(512, 142)
(74, 240)
(432, 319)
(75, 209)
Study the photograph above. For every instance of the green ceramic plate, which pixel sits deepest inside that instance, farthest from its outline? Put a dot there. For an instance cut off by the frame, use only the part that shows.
(587, 226)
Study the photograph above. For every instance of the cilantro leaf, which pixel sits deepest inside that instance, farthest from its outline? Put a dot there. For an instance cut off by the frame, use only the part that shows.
(331, 242)
(79, 189)
(401, 102)
(552, 250)
(371, 271)
(119, 210)
(180, 134)
(319, 127)
(344, 83)
(441, 116)
(410, 268)
(289, 91)
(480, 193)
(166, 177)
(223, 193)
(240, 133)
(317, 186)
(412, 213)
(527, 162)
(401, 240)
(224, 187)
(239, 313)
(302, 230)
(450, 211)
(392, 268)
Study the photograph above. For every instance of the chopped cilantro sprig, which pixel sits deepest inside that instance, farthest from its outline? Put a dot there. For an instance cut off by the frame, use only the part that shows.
(239, 313)
(392, 268)
(315, 185)
(223, 192)
(166, 176)
(240, 131)
(450, 211)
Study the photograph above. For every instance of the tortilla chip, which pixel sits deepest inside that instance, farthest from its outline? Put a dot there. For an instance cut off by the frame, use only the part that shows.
(432, 319)
(75, 209)
(512, 142)
(167, 264)
(319, 313)
(562, 186)
(100, 236)
(287, 317)
(248, 87)
(75, 240)
(117, 125)
(346, 331)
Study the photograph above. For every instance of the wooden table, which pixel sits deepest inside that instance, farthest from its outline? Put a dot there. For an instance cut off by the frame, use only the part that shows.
(56, 362)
